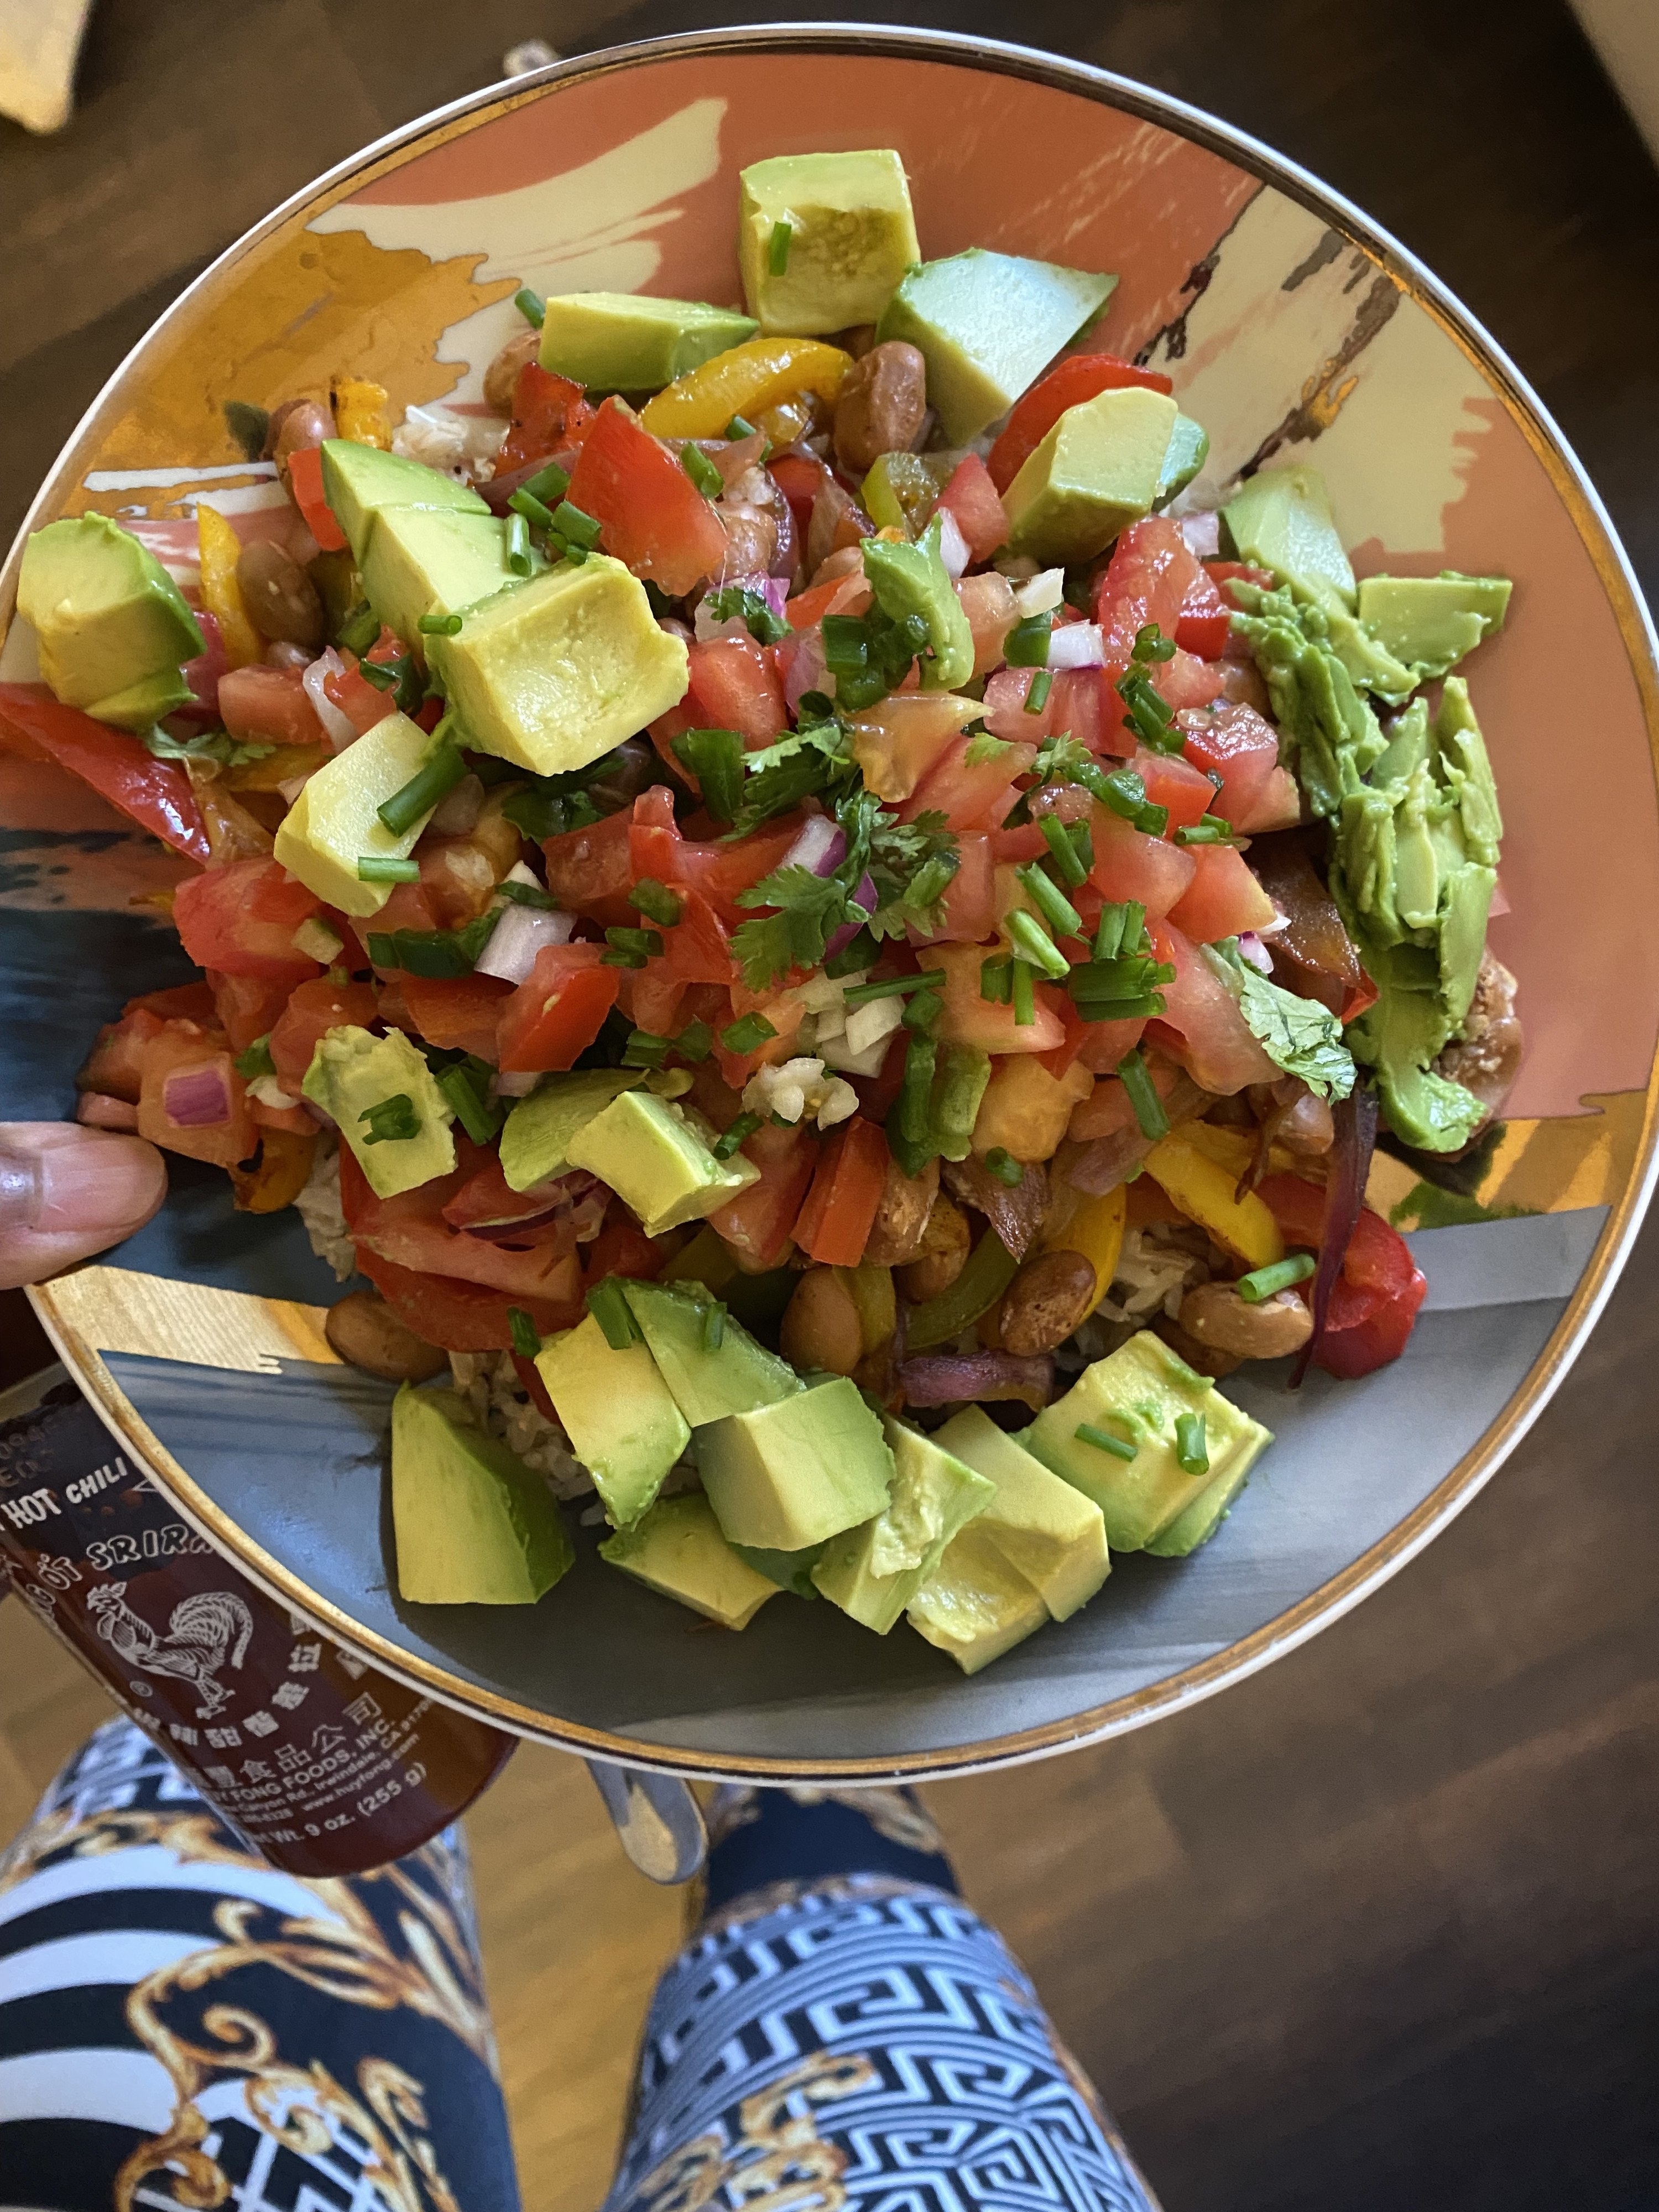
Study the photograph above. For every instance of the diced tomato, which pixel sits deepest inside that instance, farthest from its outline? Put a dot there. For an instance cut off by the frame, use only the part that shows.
(1204, 624)
(1109, 1107)
(969, 905)
(1129, 865)
(1104, 1044)
(246, 1006)
(650, 996)
(114, 1066)
(266, 706)
(758, 1222)
(801, 479)
(1147, 578)
(1374, 1301)
(178, 1049)
(242, 919)
(458, 1013)
(549, 413)
(486, 1199)
(1279, 808)
(697, 948)
(589, 870)
(311, 1010)
(785, 1014)
(460, 1316)
(735, 686)
(1241, 747)
(653, 517)
(976, 503)
(1223, 573)
(154, 793)
(530, 1382)
(969, 1019)
(1174, 782)
(363, 703)
(1184, 681)
(970, 796)
(1201, 1025)
(1224, 898)
(653, 837)
(717, 870)
(305, 481)
(878, 1092)
(622, 1247)
(1081, 376)
(556, 1013)
(833, 1224)
(186, 1002)
(411, 1231)
(808, 608)
(1077, 1032)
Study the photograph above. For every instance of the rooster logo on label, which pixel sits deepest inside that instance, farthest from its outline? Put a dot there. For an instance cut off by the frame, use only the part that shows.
(204, 1633)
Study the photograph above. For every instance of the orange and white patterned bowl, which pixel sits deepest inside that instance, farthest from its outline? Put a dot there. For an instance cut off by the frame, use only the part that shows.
(1291, 328)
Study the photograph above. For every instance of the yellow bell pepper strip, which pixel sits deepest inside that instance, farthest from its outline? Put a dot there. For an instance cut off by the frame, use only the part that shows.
(1204, 1190)
(743, 380)
(279, 1175)
(222, 595)
(1094, 1226)
(359, 411)
(870, 1290)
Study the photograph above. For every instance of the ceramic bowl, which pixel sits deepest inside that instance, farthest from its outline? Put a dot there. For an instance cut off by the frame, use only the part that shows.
(1292, 328)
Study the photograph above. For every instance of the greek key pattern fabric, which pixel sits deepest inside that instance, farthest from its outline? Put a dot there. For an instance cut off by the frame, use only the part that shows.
(862, 2041)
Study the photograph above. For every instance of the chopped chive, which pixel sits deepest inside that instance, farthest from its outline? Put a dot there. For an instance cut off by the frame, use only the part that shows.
(1025, 994)
(359, 627)
(1143, 1096)
(575, 555)
(549, 484)
(923, 1011)
(1060, 840)
(1134, 928)
(527, 1337)
(1191, 1457)
(527, 895)
(440, 773)
(478, 1114)
(748, 1034)
(1087, 1433)
(381, 868)
(608, 1304)
(391, 1120)
(631, 948)
(1058, 911)
(575, 525)
(714, 1326)
(739, 427)
(1026, 644)
(1266, 1282)
(531, 305)
(518, 544)
(1033, 943)
(695, 1042)
(535, 511)
(777, 252)
(645, 1048)
(1151, 644)
(1037, 697)
(1210, 830)
(655, 900)
(916, 1090)
(256, 1059)
(1109, 930)
(996, 980)
(438, 625)
(744, 1126)
(702, 470)
(384, 675)
(892, 987)
(1005, 1167)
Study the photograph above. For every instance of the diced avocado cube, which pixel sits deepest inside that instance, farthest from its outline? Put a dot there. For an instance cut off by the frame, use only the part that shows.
(358, 480)
(556, 672)
(987, 325)
(1138, 1393)
(1046, 1530)
(352, 1072)
(1097, 472)
(1281, 519)
(787, 1475)
(432, 561)
(850, 237)
(630, 342)
(473, 1524)
(873, 1572)
(536, 1137)
(334, 822)
(141, 705)
(709, 1381)
(1205, 1515)
(622, 1421)
(790, 1571)
(974, 1605)
(106, 614)
(677, 1549)
(1188, 451)
(1431, 622)
(656, 1157)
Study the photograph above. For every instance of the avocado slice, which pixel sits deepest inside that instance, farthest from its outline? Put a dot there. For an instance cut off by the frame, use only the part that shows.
(655, 1156)
(709, 1381)
(473, 1524)
(974, 1605)
(1200, 1520)
(334, 821)
(851, 236)
(358, 480)
(1430, 622)
(562, 668)
(433, 561)
(873, 1572)
(1098, 470)
(1184, 456)
(1137, 1393)
(618, 1413)
(535, 1138)
(108, 620)
(787, 1475)
(631, 341)
(987, 325)
(676, 1548)
(913, 579)
(352, 1072)
(1281, 520)
(1047, 1531)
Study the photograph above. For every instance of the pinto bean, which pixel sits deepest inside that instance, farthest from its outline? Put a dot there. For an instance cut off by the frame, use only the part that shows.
(751, 540)
(941, 1255)
(1215, 1314)
(281, 598)
(1487, 1057)
(297, 424)
(820, 1326)
(366, 1333)
(1045, 1302)
(881, 404)
(901, 1222)
(501, 377)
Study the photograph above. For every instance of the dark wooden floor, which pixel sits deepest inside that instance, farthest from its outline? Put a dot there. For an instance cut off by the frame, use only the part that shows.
(1379, 1928)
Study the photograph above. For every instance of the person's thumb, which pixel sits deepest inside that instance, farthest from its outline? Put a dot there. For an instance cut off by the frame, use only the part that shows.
(66, 1192)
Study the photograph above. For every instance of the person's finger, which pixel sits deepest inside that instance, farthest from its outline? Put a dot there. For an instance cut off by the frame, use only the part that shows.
(66, 1193)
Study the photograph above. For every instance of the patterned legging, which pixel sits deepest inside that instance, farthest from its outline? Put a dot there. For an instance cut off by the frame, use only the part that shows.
(182, 2027)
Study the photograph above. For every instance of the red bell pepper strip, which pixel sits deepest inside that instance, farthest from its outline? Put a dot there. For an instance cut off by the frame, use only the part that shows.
(304, 480)
(1374, 1299)
(156, 794)
(833, 1224)
(1083, 376)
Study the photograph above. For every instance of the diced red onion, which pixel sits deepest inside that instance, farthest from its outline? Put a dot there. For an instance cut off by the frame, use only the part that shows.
(516, 1084)
(1355, 1121)
(808, 671)
(339, 729)
(769, 588)
(197, 1097)
(96, 1110)
(821, 846)
(1253, 950)
(518, 937)
(949, 1378)
(953, 547)
(1202, 533)
(1077, 645)
(734, 461)
(784, 560)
